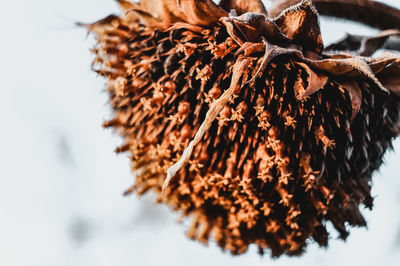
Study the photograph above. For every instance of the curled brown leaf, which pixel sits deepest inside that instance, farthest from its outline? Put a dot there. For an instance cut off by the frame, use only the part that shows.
(300, 24)
(316, 81)
(390, 78)
(252, 27)
(368, 45)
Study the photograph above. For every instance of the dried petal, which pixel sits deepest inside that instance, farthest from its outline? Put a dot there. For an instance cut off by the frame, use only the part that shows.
(316, 81)
(390, 78)
(102, 26)
(201, 12)
(343, 64)
(300, 24)
(251, 27)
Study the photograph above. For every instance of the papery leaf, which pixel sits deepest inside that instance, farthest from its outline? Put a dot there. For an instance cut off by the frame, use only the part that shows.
(243, 6)
(316, 81)
(390, 78)
(270, 52)
(347, 65)
(250, 48)
(339, 65)
(184, 25)
(251, 27)
(378, 64)
(352, 87)
(152, 13)
(365, 45)
(300, 24)
(201, 12)
(237, 33)
(145, 18)
(101, 26)
(164, 13)
(127, 5)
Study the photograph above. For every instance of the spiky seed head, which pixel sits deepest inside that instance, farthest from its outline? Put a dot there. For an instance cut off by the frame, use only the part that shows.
(244, 122)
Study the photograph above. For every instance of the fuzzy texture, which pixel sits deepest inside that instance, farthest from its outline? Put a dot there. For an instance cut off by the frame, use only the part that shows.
(274, 135)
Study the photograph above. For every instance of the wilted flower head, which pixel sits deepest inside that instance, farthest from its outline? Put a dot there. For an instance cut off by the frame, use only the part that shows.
(244, 122)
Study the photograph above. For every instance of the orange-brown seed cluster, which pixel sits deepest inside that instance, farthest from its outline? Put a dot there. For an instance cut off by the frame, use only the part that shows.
(271, 169)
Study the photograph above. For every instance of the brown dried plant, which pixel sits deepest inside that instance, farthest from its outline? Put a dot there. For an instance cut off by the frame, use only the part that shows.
(240, 118)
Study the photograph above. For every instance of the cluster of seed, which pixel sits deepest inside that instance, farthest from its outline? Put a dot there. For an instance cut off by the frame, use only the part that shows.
(271, 170)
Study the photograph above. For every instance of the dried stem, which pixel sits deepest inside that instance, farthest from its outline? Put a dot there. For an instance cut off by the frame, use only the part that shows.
(371, 13)
(215, 108)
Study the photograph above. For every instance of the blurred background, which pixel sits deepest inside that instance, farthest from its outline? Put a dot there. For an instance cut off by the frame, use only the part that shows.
(61, 185)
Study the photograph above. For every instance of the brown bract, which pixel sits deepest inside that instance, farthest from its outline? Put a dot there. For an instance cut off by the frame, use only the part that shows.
(244, 122)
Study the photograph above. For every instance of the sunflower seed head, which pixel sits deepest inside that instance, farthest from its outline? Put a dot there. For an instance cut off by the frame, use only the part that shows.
(247, 126)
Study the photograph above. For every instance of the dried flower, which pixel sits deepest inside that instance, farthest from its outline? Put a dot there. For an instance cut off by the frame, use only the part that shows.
(244, 122)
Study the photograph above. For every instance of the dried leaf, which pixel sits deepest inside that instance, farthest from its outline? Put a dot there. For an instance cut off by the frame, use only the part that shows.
(251, 27)
(365, 45)
(335, 64)
(201, 12)
(380, 63)
(390, 78)
(270, 52)
(164, 13)
(343, 64)
(300, 24)
(145, 18)
(101, 26)
(127, 5)
(183, 25)
(152, 13)
(316, 81)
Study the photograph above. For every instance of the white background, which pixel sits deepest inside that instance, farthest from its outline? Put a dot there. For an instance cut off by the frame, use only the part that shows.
(61, 184)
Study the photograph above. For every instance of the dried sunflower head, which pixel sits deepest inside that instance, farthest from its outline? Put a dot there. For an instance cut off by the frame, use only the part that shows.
(244, 122)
